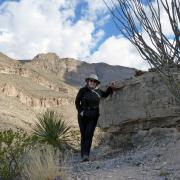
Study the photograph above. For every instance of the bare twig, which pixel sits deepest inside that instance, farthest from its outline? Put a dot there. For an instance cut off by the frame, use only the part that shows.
(133, 19)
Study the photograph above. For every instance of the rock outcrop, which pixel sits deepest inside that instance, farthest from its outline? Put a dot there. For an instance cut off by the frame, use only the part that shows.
(143, 102)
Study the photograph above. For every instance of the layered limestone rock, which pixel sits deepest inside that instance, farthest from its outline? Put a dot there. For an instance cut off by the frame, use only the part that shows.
(14, 114)
(37, 97)
(8, 65)
(142, 102)
(50, 63)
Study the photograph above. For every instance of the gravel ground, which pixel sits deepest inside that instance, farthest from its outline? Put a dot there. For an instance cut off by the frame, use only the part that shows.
(158, 159)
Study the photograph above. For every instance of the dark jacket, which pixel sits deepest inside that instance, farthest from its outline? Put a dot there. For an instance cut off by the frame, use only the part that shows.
(88, 100)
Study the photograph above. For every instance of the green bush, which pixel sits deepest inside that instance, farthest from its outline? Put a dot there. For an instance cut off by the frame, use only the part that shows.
(12, 148)
(51, 129)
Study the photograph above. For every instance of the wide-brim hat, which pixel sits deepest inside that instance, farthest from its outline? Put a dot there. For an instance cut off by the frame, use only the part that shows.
(94, 77)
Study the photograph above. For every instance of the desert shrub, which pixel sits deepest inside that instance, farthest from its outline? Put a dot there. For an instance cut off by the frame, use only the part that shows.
(12, 147)
(75, 141)
(43, 163)
(52, 129)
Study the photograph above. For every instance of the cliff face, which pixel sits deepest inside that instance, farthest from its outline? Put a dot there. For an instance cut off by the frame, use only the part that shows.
(143, 103)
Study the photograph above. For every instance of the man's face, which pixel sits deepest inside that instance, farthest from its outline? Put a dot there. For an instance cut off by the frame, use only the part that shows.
(92, 83)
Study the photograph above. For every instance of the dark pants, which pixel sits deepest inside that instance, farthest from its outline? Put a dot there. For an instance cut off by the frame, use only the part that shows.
(87, 127)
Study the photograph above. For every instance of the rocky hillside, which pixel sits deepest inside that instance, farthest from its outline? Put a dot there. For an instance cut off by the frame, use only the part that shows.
(146, 155)
(47, 81)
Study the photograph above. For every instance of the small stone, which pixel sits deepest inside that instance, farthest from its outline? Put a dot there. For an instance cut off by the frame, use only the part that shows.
(130, 177)
(97, 167)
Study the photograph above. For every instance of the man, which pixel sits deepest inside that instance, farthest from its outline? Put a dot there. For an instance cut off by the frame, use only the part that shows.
(87, 104)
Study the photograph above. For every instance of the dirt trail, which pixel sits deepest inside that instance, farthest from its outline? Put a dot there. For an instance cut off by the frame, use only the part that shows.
(156, 157)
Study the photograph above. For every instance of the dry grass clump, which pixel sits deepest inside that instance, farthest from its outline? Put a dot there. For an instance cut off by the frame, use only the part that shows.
(43, 163)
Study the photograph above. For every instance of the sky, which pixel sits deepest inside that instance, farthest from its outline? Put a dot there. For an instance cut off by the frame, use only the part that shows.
(80, 29)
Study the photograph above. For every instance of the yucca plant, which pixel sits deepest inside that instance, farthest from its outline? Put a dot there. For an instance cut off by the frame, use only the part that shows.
(52, 129)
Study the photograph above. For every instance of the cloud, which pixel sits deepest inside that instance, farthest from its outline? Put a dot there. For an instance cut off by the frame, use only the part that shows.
(119, 51)
(98, 12)
(30, 27)
(164, 18)
(95, 8)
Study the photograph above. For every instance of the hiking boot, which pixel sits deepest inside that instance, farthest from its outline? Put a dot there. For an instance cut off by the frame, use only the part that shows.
(85, 158)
